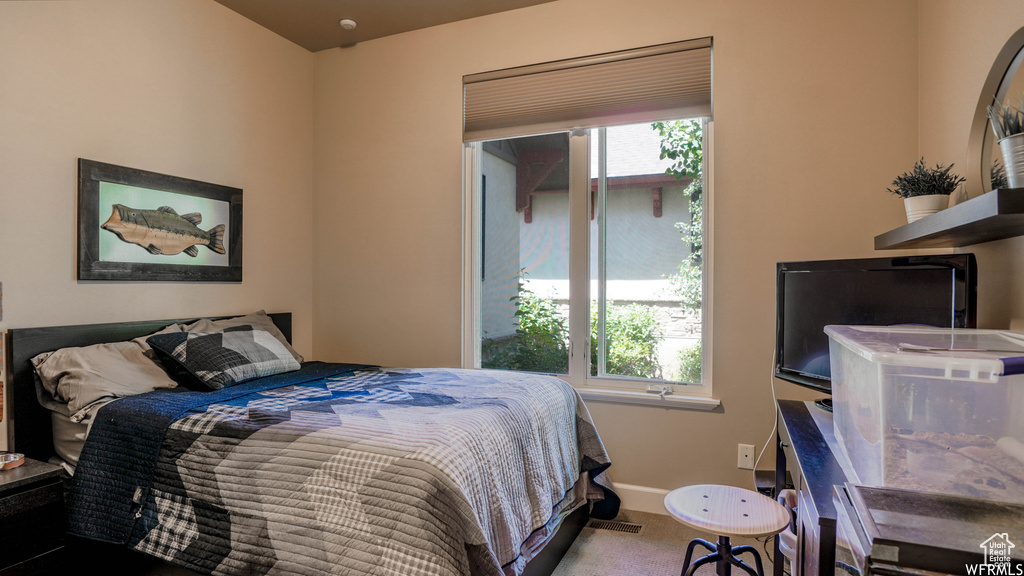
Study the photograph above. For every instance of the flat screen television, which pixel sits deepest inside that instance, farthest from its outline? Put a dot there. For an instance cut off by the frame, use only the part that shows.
(936, 291)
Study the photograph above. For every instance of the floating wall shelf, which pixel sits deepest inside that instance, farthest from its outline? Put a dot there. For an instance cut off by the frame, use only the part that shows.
(992, 216)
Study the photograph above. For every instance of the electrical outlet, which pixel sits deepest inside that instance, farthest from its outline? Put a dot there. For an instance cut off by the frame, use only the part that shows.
(746, 457)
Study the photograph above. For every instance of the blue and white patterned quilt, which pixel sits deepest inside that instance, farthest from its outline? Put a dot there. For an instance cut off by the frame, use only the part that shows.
(340, 469)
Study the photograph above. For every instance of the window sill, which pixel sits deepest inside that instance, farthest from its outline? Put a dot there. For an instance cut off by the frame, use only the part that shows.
(635, 397)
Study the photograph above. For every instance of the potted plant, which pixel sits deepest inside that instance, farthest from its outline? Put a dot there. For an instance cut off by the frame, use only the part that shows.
(1008, 124)
(925, 190)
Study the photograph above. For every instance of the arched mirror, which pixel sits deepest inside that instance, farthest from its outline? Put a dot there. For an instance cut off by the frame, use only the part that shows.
(1003, 85)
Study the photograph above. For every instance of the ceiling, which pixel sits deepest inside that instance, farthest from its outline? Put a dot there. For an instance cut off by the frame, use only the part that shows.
(314, 24)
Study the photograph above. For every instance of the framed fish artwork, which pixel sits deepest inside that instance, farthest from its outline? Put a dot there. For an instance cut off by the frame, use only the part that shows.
(135, 225)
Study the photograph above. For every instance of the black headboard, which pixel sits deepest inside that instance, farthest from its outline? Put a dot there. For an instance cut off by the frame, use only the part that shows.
(29, 429)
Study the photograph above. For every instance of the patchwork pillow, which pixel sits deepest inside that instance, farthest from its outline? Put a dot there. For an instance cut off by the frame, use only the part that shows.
(258, 320)
(216, 360)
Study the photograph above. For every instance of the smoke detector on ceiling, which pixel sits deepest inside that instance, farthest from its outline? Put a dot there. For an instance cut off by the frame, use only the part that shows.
(347, 24)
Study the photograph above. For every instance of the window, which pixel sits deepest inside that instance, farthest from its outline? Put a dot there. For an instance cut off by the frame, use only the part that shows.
(641, 256)
(593, 238)
(645, 254)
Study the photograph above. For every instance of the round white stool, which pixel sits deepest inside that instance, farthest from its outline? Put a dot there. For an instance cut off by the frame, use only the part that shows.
(726, 511)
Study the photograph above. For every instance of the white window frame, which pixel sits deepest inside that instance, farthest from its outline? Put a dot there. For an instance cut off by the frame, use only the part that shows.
(609, 389)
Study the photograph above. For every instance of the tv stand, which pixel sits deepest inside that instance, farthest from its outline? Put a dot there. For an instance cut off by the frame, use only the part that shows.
(824, 403)
(809, 453)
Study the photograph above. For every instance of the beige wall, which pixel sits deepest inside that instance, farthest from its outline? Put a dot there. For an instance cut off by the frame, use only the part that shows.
(815, 111)
(959, 42)
(182, 87)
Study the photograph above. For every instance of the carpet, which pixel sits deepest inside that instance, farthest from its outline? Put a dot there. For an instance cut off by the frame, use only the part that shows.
(658, 550)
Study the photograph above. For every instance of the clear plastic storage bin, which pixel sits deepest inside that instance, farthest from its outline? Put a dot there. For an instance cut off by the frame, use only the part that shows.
(931, 409)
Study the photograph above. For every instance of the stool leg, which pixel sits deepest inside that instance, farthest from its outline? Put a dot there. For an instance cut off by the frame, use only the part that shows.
(757, 560)
(689, 555)
(702, 561)
(689, 552)
(743, 566)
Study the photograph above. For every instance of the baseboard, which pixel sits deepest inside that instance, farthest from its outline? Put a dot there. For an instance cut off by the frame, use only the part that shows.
(642, 498)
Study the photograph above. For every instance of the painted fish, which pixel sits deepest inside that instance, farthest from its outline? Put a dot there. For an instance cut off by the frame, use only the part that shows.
(164, 231)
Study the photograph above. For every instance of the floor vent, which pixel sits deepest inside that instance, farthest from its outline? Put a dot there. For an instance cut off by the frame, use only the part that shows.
(626, 527)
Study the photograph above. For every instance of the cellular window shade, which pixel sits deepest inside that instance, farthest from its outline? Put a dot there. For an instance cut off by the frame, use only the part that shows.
(655, 83)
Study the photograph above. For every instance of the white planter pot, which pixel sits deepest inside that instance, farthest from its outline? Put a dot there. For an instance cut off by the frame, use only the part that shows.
(1012, 149)
(920, 206)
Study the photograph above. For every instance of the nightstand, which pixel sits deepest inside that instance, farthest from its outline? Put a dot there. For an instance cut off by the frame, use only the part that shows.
(31, 519)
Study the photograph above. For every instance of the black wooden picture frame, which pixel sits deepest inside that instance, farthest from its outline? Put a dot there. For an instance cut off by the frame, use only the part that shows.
(92, 174)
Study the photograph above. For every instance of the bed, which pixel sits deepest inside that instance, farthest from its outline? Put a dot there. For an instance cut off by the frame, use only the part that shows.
(330, 468)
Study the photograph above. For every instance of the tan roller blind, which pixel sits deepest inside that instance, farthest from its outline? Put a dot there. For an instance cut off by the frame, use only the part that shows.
(656, 83)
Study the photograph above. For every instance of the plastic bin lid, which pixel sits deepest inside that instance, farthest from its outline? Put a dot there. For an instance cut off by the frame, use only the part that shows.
(996, 352)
